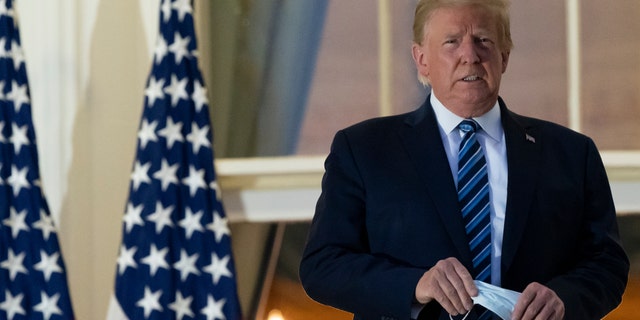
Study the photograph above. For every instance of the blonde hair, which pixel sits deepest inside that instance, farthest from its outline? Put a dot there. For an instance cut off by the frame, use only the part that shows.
(500, 8)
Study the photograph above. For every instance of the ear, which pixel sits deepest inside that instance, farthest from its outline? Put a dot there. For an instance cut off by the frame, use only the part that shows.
(505, 60)
(420, 59)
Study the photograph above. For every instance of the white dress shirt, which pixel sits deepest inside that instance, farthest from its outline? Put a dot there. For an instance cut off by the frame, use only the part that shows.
(491, 138)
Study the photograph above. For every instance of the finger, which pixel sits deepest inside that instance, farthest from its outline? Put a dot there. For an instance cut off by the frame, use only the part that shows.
(462, 282)
(434, 285)
(442, 298)
(558, 313)
(454, 283)
(546, 313)
(522, 305)
(538, 302)
(458, 297)
(451, 298)
(465, 287)
(551, 305)
(445, 292)
(533, 311)
(540, 308)
(467, 280)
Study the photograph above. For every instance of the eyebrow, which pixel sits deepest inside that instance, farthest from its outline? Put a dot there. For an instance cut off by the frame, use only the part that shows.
(477, 32)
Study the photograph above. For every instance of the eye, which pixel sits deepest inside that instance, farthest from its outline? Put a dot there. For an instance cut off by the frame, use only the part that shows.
(484, 41)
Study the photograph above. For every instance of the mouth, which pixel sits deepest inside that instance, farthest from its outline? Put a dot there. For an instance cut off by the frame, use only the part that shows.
(471, 78)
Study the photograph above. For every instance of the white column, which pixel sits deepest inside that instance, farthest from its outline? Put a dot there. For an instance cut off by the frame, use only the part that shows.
(574, 64)
(385, 52)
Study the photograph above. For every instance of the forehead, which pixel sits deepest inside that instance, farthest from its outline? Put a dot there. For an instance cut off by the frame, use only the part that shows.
(460, 19)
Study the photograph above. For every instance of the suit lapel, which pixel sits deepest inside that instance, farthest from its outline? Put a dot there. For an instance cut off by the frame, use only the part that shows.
(523, 159)
(424, 145)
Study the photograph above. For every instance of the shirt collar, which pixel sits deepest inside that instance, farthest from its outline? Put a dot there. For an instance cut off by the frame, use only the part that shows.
(490, 121)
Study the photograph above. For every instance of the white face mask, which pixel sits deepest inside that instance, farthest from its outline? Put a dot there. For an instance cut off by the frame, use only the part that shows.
(498, 300)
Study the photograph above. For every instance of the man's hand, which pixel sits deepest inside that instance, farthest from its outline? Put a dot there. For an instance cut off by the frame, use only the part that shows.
(538, 302)
(450, 284)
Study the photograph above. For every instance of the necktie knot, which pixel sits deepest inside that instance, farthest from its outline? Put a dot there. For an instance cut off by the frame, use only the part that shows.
(468, 125)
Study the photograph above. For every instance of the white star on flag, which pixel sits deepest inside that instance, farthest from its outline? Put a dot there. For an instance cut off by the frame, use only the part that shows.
(219, 226)
(160, 51)
(182, 306)
(165, 9)
(213, 310)
(199, 96)
(18, 179)
(48, 306)
(198, 137)
(195, 180)
(156, 259)
(167, 174)
(18, 95)
(179, 47)
(12, 305)
(48, 264)
(125, 259)
(16, 222)
(177, 89)
(14, 264)
(154, 90)
(147, 133)
(216, 187)
(218, 268)
(191, 222)
(17, 55)
(187, 265)
(140, 174)
(172, 132)
(132, 217)
(18, 137)
(45, 224)
(183, 7)
(161, 217)
(150, 302)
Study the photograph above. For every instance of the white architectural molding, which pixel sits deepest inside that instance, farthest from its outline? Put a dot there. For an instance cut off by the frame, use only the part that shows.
(287, 188)
(270, 189)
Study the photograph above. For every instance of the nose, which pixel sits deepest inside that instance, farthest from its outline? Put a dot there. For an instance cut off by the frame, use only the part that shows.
(469, 52)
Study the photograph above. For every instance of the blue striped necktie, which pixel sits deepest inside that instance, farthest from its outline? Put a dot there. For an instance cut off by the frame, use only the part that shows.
(473, 195)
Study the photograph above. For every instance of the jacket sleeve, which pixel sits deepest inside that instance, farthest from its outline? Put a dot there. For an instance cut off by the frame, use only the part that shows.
(337, 267)
(595, 286)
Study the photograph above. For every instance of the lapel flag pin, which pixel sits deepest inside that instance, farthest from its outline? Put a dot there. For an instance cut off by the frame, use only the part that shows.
(530, 138)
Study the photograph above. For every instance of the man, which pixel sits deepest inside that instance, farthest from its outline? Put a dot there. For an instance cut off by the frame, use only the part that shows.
(396, 234)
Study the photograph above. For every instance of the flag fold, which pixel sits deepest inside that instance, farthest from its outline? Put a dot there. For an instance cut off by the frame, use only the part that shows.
(33, 281)
(175, 260)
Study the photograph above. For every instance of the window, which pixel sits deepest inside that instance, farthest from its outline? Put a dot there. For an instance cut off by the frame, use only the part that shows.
(579, 73)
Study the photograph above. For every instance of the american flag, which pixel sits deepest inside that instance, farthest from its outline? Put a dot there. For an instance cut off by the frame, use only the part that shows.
(33, 282)
(175, 260)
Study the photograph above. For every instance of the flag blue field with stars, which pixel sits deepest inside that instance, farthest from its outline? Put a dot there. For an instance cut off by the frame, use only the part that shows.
(33, 282)
(175, 260)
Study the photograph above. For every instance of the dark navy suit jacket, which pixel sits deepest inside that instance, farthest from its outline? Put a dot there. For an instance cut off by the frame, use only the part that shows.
(389, 211)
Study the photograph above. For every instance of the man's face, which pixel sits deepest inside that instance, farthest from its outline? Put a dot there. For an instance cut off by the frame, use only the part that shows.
(460, 55)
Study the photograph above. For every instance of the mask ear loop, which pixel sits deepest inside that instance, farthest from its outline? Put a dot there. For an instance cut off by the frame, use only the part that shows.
(465, 316)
